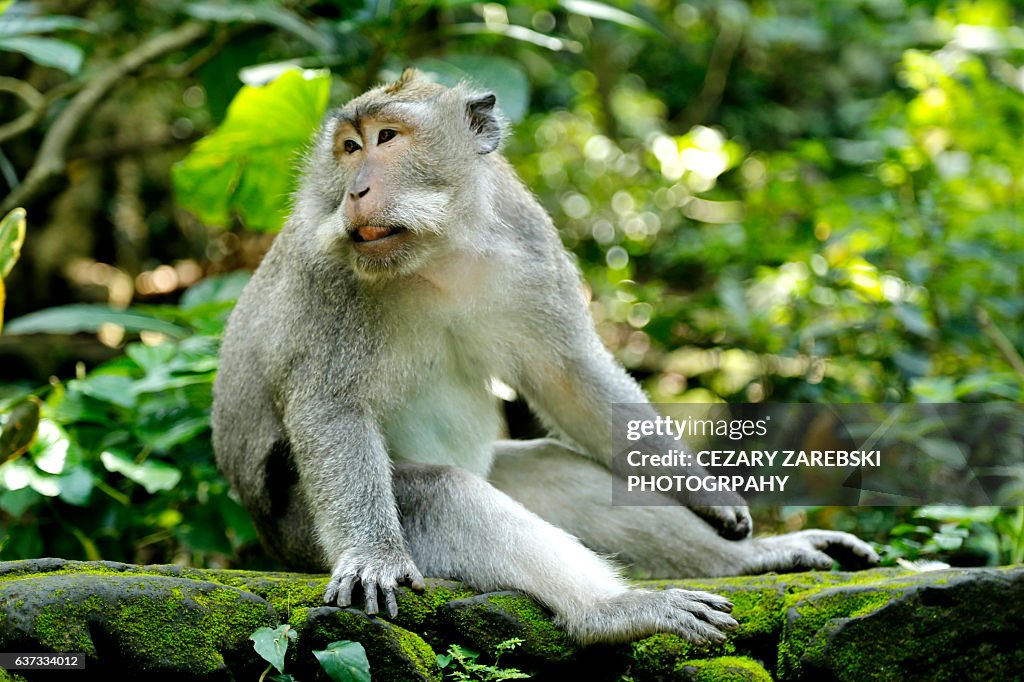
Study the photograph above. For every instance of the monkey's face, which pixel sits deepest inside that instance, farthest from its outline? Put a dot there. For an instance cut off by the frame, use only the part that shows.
(409, 158)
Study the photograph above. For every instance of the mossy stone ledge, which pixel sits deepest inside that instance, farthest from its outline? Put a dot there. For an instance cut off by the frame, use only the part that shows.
(174, 623)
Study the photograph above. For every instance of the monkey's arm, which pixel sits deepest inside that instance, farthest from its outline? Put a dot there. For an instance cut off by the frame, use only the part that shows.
(572, 381)
(345, 471)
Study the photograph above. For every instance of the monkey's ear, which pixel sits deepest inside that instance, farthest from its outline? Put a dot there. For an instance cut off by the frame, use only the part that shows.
(483, 121)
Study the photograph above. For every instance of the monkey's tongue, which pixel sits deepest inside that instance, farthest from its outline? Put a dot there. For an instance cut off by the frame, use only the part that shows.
(371, 233)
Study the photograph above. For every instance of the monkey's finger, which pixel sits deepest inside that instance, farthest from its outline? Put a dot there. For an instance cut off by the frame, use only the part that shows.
(370, 592)
(416, 581)
(811, 559)
(345, 590)
(722, 621)
(714, 601)
(851, 551)
(390, 601)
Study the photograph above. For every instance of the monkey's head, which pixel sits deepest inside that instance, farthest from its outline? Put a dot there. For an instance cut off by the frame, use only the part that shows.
(397, 173)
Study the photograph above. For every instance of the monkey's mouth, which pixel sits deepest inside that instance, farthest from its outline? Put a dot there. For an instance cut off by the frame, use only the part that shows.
(375, 233)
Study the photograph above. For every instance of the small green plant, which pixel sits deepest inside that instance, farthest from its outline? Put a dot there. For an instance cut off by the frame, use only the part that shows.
(461, 664)
(343, 661)
(272, 644)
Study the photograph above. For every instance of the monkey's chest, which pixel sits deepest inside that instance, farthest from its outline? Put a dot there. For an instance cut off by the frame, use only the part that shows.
(445, 413)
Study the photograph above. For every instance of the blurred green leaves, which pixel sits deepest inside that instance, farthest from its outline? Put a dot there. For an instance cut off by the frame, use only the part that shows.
(12, 236)
(503, 77)
(20, 29)
(246, 167)
(128, 443)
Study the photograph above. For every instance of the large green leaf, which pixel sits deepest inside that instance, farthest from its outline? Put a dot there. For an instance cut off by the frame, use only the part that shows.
(272, 644)
(150, 474)
(46, 51)
(602, 10)
(23, 24)
(247, 13)
(245, 167)
(12, 236)
(344, 661)
(505, 78)
(84, 317)
(19, 428)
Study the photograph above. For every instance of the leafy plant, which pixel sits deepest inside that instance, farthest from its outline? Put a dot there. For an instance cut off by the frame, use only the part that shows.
(272, 644)
(21, 26)
(460, 663)
(118, 459)
(12, 236)
(343, 661)
(243, 166)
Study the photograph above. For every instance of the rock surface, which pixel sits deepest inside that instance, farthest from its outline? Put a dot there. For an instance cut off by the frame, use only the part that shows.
(174, 623)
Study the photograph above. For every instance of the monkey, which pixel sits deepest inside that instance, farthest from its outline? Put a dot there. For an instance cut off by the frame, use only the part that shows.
(354, 413)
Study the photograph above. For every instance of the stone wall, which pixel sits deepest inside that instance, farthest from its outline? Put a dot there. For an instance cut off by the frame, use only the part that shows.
(166, 622)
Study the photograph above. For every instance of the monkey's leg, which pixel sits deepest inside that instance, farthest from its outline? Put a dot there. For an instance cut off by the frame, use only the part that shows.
(572, 492)
(458, 525)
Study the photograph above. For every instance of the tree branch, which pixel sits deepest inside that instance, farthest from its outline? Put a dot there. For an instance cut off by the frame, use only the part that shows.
(33, 99)
(1000, 341)
(716, 77)
(51, 162)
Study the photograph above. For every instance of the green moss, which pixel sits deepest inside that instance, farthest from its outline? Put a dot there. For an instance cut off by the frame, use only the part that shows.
(659, 655)
(180, 628)
(6, 676)
(759, 612)
(724, 669)
(415, 610)
(65, 627)
(395, 653)
(502, 616)
(547, 639)
(807, 634)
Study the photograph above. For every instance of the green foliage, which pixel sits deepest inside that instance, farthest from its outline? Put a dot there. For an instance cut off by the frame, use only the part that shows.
(20, 27)
(460, 663)
(983, 532)
(246, 165)
(118, 464)
(503, 77)
(272, 644)
(344, 661)
(85, 317)
(12, 236)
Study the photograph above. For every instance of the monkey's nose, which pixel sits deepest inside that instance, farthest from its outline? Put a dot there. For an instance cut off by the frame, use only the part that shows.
(360, 193)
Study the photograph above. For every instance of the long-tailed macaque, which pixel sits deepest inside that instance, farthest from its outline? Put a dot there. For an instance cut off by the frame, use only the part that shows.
(354, 413)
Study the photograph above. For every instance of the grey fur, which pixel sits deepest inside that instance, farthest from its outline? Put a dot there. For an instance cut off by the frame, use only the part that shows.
(353, 411)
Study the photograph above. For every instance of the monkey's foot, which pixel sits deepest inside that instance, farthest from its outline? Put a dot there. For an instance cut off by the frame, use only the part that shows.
(732, 522)
(812, 549)
(374, 570)
(698, 617)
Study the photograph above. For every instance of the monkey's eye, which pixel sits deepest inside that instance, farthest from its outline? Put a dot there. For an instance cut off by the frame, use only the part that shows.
(385, 135)
(351, 147)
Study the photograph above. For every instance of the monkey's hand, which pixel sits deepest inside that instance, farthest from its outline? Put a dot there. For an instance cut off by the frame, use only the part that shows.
(732, 522)
(811, 549)
(698, 617)
(375, 569)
